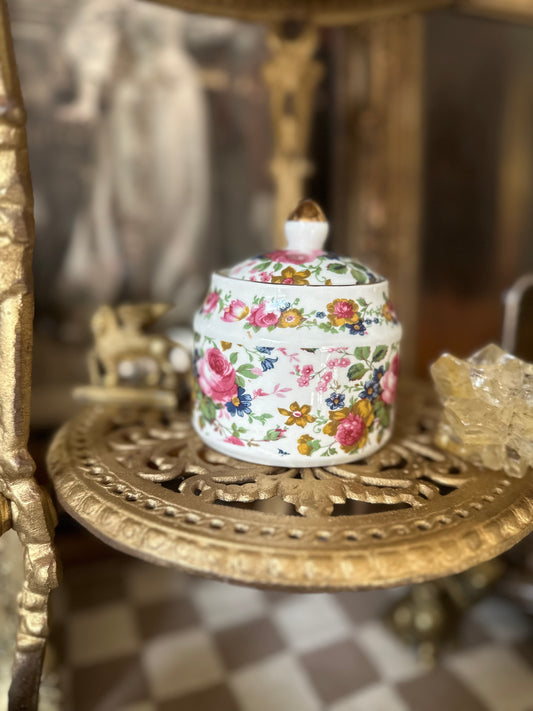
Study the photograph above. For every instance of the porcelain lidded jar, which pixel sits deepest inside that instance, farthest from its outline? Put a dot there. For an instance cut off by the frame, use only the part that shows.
(296, 354)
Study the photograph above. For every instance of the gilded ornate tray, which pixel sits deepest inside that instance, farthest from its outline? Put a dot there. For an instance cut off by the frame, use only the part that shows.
(142, 481)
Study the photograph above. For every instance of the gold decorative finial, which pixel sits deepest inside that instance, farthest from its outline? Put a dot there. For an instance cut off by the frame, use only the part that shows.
(307, 211)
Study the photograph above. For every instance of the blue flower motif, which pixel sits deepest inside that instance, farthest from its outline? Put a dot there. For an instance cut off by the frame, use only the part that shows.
(240, 404)
(281, 304)
(376, 320)
(368, 321)
(378, 374)
(268, 363)
(335, 401)
(370, 391)
(356, 328)
(195, 360)
(320, 314)
(280, 451)
(264, 349)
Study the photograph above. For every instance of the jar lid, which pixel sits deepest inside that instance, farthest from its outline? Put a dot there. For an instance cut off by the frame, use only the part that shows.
(304, 261)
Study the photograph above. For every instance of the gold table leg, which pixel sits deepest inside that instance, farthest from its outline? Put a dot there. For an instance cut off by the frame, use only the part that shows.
(31, 515)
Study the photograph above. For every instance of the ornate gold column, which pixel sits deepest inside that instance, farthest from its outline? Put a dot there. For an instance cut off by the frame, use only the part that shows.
(291, 75)
(31, 514)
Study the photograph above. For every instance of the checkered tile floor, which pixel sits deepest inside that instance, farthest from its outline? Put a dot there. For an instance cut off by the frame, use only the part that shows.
(136, 637)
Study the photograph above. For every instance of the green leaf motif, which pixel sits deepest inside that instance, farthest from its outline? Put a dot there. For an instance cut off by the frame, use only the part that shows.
(233, 358)
(208, 409)
(381, 411)
(362, 353)
(362, 303)
(262, 418)
(240, 381)
(360, 277)
(273, 435)
(356, 371)
(337, 267)
(246, 371)
(314, 444)
(379, 353)
(327, 327)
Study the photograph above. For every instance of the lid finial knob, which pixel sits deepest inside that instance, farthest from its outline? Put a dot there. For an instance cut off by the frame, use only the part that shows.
(306, 228)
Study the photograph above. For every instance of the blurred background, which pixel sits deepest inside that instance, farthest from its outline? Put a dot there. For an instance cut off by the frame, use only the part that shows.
(164, 145)
(159, 151)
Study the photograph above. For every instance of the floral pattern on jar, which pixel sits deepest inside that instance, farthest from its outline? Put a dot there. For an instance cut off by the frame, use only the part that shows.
(333, 402)
(317, 267)
(339, 316)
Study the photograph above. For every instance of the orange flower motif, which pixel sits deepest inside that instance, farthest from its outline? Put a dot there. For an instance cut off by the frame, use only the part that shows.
(303, 446)
(343, 311)
(350, 426)
(290, 318)
(290, 276)
(297, 415)
(388, 311)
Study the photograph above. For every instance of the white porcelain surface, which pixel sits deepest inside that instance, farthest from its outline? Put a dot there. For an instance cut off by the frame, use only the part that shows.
(294, 374)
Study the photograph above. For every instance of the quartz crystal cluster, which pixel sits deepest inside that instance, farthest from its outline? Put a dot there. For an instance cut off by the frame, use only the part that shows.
(488, 409)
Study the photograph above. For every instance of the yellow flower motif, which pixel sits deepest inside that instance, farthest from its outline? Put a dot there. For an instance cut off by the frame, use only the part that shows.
(290, 318)
(225, 345)
(350, 425)
(298, 415)
(290, 276)
(303, 446)
(387, 311)
(343, 311)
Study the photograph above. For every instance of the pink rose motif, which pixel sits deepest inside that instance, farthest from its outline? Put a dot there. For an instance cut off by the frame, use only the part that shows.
(307, 370)
(211, 300)
(327, 377)
(303, 381)
(234, 440)
(265, 276)
(262, 318)
(395, 364)
(216, 376)
(344, 362)
(389, 383)
(236, 311)
(350, 430)
(286, 256)
(344, 309)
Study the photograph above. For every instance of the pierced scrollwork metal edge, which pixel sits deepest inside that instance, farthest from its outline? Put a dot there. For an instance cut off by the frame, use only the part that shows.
(486, 516)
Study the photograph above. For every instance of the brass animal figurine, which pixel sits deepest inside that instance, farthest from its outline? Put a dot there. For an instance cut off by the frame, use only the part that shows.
(120, 340)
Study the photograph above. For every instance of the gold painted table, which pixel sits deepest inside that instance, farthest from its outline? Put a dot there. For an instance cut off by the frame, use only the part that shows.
(141, 480)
